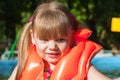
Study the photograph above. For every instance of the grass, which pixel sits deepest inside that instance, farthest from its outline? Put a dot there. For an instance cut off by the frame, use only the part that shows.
(4, 77)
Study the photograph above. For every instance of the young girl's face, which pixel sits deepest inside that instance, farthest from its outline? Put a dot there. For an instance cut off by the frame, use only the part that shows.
(53, 49)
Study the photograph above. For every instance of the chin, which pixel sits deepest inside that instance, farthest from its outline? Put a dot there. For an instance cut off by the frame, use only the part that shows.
(53, 61)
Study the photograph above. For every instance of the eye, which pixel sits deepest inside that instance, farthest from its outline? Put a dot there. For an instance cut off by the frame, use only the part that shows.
(42, 40)
(61, 40)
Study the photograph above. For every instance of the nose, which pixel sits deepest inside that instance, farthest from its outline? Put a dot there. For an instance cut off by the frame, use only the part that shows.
(52, 45)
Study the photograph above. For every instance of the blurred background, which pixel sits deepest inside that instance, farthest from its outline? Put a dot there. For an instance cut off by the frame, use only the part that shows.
(95, 14)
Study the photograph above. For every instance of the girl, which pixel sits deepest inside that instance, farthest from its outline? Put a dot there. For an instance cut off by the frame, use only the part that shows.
(52, 47)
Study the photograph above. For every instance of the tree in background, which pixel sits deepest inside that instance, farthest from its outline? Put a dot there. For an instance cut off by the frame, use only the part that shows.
(96, 14)
(12, 16)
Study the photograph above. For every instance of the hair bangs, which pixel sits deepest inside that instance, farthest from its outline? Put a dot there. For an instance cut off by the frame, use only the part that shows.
(52, 25)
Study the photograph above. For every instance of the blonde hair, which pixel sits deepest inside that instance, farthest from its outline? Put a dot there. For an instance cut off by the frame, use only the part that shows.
(50, 20)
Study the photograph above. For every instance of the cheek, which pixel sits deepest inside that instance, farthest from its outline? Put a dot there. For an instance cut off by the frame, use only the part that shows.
(64, 46)
(40, 46)
(40, 50)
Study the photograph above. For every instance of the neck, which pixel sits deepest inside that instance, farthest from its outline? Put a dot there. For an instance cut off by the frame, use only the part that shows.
(49, 66)
(52, 66)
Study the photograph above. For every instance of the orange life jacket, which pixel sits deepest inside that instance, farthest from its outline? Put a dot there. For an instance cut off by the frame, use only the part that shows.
(73, 66)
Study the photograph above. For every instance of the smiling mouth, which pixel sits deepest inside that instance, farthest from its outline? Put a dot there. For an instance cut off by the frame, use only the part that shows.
(53, 55)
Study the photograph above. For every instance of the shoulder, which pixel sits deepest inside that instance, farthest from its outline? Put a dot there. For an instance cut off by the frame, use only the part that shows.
(94, 74)
(13, 75)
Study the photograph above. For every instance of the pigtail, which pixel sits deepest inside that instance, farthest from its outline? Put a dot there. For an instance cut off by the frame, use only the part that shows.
(23, 47)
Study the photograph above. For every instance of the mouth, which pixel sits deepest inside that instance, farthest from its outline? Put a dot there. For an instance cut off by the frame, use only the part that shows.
(53, 55)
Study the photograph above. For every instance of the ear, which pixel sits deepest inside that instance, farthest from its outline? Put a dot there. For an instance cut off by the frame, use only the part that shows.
(32, 36)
